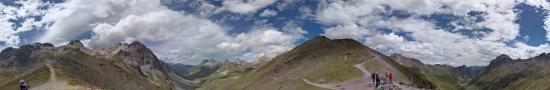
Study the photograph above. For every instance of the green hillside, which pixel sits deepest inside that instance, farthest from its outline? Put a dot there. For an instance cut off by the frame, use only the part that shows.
(320, 60)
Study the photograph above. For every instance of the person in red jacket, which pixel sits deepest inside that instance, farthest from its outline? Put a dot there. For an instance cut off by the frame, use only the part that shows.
(390, 77)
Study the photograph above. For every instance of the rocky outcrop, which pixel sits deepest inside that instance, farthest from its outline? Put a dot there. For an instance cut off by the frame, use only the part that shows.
(75, 44)
(138, 56)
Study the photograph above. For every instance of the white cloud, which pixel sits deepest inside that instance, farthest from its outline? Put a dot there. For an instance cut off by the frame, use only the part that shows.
(268, 13)
(72, 18)
(547, 27)
(264, 41)
(360, 20)
(352, 31)
(24, 13)
(245, 6)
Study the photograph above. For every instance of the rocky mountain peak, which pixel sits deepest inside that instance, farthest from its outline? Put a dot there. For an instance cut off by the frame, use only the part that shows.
(499, 60)
(503, 57)
(137, 45)
(75, 44)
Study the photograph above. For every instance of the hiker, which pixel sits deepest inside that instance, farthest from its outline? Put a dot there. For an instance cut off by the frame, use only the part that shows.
(377, 80)
(24, 85)
(390, 77)
(386, 75)
(372, 77)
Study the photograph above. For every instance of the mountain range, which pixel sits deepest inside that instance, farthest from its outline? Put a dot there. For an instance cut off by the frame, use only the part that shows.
(123, 67)
(317, 64)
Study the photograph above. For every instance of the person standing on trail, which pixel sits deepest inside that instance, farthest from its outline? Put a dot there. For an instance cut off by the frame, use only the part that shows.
(390, 77)
(372, 77)
(377, 80)
(23, 85)
(386, 74)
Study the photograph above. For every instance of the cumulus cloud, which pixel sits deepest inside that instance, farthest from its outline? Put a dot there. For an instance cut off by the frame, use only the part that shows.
(245, 6)
(265, 41)
(363, 19)
(268, 13)
(73, 18)
(24, 13)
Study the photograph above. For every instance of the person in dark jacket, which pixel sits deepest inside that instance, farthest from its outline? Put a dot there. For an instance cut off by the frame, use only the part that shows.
(372, 77)
(23, 85)
(377, 80)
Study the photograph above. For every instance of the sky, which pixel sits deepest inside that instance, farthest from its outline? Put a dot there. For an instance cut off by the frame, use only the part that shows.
(454, 32)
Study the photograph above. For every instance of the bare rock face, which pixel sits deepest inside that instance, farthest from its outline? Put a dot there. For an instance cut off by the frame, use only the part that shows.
(138, 56)
(75, 44)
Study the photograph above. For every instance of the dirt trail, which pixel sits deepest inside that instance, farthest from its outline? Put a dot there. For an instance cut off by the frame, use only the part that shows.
(362, 68)
(54, 84)
(52, 72)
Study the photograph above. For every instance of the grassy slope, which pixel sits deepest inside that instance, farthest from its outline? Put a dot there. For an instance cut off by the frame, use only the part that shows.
(311, 62)
(443, 78)
(318, 60)
(35, 78)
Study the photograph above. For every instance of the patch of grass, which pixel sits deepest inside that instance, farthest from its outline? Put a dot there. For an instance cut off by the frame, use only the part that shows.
(36, 78)
(336, 71)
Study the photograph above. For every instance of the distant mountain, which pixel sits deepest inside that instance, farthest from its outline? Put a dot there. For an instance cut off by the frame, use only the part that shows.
(204, 69)
(505, 73)
(181, 69)
(211, 69)
(123, 67)
(320, 60)
(445, 77)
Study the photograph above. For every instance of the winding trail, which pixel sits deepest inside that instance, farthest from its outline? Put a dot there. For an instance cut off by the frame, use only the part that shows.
(52, 72)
